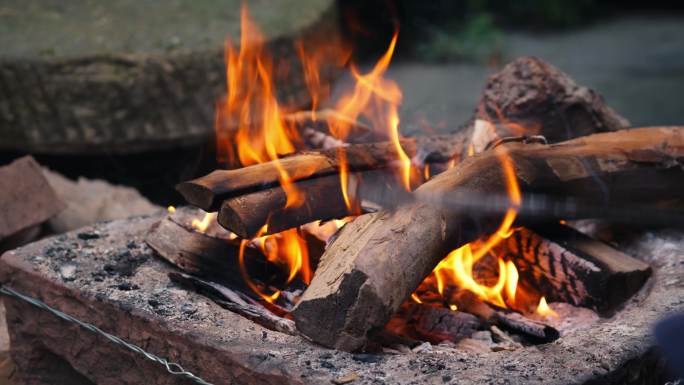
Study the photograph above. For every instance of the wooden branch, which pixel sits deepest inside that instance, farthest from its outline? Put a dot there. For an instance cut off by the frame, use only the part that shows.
(236, 303)
(26, 197)
(379, 259)
(245, 215)
(532, 330)
(565, 265)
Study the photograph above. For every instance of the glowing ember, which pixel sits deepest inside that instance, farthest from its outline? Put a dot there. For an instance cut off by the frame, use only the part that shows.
(171, 209)
(544, 310)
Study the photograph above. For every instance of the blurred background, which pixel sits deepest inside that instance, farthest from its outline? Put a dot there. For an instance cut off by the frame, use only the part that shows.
(125, 90)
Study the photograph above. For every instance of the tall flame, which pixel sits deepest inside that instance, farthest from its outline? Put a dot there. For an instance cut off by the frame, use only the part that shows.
(251, 110)
(376, 99)
(251, 129)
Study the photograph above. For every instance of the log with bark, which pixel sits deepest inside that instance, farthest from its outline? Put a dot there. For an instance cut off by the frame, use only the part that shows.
(380, 258)
(211, 255)
(565, 265)
(26, 201)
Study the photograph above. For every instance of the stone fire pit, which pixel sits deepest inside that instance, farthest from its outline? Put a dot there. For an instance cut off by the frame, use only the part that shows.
(106, 275)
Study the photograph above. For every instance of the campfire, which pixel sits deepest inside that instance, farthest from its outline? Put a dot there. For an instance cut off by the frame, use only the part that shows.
(324, 231)
(330, 218)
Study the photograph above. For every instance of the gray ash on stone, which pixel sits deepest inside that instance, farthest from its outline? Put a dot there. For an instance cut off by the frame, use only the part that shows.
(126, 262)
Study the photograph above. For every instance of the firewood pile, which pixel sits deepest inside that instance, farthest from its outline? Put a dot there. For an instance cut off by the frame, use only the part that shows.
(539, 151)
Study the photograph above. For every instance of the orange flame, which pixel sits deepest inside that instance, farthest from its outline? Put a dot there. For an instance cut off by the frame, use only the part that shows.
(376, 99)
(544, 310)
(287, 248)
(252, 111)
(457, 268)
(344, 178)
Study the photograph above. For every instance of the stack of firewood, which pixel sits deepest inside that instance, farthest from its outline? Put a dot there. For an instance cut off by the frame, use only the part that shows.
(376, 261)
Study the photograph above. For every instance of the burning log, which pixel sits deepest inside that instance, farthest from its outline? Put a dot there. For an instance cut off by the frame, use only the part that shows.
(568, 266)
(379, 259)
(26, 198)
(211, 256)
(245, 215)
(209, 191)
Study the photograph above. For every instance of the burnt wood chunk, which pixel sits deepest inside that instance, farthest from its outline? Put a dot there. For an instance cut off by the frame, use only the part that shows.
(193, 252)
(532, 97)
(379, 259)
(533, 331)
(437, 324)
(212, 255)
(26, 197)
(568, 266)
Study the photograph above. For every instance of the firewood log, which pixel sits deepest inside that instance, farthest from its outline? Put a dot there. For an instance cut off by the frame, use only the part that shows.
(210, 255)
(379, 259)
(565, 265)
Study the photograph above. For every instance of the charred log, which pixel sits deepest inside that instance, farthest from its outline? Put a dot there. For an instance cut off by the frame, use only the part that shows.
(568, 266)
(211, 255)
